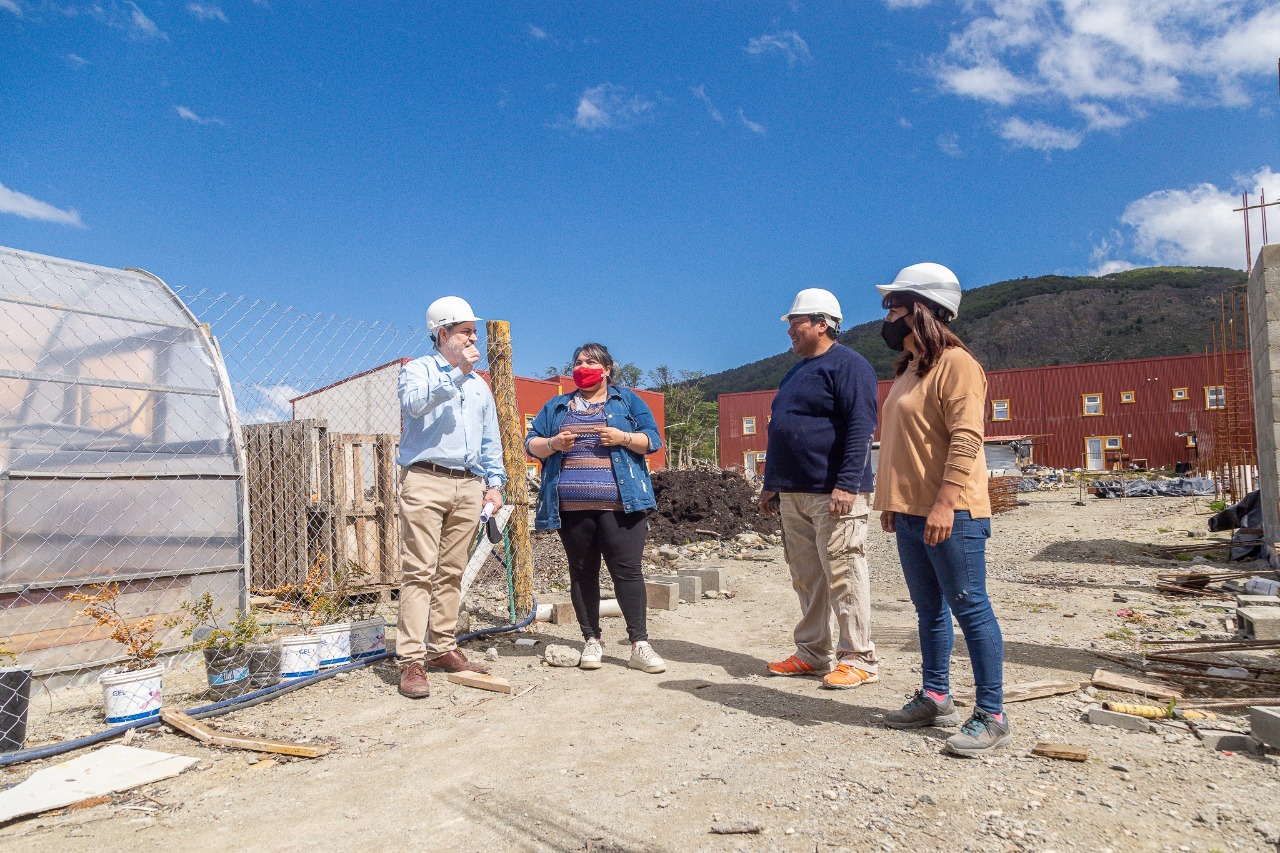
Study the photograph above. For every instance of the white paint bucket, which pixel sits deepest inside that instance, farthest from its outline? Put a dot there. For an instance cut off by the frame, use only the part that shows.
(544, 612)
(368, 638)
(132, 695)
(299, 656)
(335, 644)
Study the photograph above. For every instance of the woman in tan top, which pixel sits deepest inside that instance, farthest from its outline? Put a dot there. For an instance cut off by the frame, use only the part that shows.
(931, 489)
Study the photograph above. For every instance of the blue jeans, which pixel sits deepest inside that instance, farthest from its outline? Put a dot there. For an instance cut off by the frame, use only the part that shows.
(952, 578)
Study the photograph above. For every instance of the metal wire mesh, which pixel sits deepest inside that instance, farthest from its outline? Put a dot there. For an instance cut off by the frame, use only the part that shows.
(164, 444)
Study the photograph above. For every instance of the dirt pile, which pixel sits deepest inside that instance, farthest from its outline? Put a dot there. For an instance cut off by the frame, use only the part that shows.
(690, 503)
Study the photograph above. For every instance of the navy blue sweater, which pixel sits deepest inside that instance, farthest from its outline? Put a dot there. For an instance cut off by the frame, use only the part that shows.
(820, 432)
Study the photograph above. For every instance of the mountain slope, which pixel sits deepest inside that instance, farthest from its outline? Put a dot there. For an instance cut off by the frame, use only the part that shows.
(1034, 322)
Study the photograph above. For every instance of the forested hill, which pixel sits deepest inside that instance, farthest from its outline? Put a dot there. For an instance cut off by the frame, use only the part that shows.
(1051, 319)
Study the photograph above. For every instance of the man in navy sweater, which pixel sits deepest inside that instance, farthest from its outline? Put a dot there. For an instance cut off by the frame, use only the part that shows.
(818, 476)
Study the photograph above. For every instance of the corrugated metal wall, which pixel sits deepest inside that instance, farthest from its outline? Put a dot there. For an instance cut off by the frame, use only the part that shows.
(1049, 402)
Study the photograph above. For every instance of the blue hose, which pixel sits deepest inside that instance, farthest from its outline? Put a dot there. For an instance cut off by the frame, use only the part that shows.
(238, 703)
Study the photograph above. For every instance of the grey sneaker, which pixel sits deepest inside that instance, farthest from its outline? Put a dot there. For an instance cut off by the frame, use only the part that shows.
(592, 654)
(980, 734)
(922, 711)
(644, 658)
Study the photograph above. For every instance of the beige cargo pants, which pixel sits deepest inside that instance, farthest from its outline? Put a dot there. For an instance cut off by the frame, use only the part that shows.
(438, 518)
(828, 561)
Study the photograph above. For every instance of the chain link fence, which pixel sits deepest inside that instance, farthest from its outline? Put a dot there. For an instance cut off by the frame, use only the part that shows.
(162, 447)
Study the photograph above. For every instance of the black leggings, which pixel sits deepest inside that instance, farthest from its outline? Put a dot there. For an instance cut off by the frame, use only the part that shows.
(589, 535)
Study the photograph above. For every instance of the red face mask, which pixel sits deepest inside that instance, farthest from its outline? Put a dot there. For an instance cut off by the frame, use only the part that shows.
(587, 377)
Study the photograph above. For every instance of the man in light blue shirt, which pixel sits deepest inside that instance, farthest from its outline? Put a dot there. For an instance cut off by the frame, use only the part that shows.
(452, 457)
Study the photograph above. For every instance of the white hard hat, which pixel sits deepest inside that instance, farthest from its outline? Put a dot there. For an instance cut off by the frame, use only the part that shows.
(448, 310)
(815, 300)
(932, 282)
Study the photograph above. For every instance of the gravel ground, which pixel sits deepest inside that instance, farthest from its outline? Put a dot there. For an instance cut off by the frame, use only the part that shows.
(618, 760)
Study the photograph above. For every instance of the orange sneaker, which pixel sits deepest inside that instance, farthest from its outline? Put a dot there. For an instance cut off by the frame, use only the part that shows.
(792, 666)
(846, 676)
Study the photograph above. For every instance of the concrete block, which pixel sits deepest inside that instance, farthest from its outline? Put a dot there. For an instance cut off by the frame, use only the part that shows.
(1259, 623)
(712, 577)
(662, 596)
(1264, 724)
(562, 614)
(1229, 742)
(1100, 717)
(1258, 601)
(690, 586)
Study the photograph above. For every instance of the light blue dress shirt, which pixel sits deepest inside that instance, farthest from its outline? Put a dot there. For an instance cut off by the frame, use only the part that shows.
(449, 419)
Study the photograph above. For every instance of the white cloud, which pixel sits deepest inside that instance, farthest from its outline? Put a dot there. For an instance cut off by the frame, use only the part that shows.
(20, 204)
(1191, 226)
(987, 82)
(76, 62)
(12, 7)
(609, 106)
(1039, 135)
(906, 4)
(1110, 61)
(189, 115)
(141, 27)
(905, 122)
(786, 42)
(749, 124)
(207, 12)
(537, 32)
(700, 92)
(949, 144)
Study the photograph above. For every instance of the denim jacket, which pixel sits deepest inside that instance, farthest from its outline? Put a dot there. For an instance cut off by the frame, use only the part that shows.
(624, 410)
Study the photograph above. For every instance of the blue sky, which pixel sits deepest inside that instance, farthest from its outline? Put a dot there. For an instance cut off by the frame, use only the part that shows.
(660, 177)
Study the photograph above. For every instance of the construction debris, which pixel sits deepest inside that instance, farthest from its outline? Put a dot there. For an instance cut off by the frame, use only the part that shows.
(1124, 684)
(206, 734)
(481, 681)
(105, 771)
(1063, 751)
(1027, 690)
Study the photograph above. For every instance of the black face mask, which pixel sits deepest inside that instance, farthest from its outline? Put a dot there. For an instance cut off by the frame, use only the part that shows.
(895, 333)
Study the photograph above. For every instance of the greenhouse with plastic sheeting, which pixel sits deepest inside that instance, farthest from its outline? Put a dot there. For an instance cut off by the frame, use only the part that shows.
(120, 456)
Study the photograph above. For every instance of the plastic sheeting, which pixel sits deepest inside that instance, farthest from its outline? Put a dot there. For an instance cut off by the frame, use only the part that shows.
(1181, 487)
(115, 429)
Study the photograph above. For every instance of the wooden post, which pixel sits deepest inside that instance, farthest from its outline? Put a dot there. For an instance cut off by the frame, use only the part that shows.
(511, 427)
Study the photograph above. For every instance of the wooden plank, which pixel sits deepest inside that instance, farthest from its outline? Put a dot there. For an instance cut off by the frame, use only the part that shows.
(105, 771)
(1125, 684)
(213, 737)
(1029, 690)
(482, 551)
(1063, 751)
(188, 724)
(388, 568)
(481, 681)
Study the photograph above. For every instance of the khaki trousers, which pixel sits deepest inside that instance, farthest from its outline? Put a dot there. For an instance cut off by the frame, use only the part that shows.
(438, 521)
(828, 561)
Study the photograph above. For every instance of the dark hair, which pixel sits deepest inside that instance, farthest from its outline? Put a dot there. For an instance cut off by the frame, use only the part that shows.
(931, 332)
(596, 352)
(833, 327)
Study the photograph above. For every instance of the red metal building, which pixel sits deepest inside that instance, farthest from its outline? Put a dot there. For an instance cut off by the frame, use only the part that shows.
(1152, 412)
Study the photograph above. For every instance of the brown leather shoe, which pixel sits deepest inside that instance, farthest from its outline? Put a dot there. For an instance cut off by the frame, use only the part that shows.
(413, 682)
(455, 661)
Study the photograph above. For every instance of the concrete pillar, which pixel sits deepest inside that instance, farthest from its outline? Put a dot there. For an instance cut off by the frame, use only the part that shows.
(1264, 346)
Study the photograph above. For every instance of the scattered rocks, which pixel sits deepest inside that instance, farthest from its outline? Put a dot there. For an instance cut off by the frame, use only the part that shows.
(737, 827)
(491, 653)
(557, 655)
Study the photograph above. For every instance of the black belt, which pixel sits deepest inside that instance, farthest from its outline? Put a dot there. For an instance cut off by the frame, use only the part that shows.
(440, 469)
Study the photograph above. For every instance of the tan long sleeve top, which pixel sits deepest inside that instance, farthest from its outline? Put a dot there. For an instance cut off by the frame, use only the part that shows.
(931, 430)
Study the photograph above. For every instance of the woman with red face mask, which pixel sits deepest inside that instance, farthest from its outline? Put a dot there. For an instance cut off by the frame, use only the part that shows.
(596, 493)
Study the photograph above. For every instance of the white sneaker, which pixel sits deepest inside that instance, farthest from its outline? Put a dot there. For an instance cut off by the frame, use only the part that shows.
(592, 654)
(643, 657)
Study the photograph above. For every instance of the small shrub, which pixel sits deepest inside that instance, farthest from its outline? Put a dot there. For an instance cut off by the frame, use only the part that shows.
(139, 638)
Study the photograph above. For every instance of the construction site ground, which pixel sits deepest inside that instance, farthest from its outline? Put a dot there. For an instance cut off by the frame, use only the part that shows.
(616, 760)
